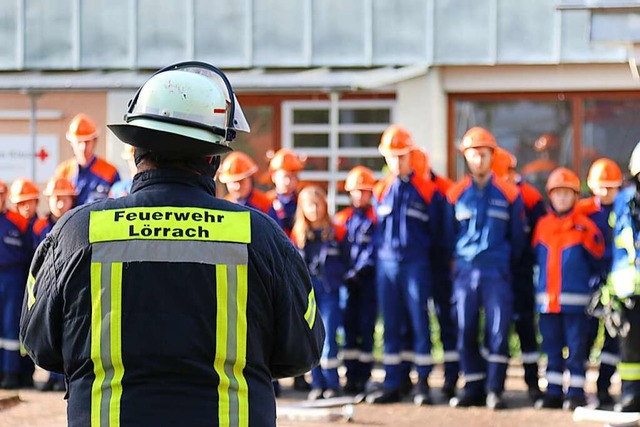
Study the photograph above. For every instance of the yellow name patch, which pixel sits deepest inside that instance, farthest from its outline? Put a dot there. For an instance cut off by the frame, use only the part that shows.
(169, 223)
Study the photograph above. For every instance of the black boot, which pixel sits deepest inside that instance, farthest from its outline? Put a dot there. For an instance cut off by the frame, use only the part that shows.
(468, 399)
(301, 384)
(549, 401)
(628, 403)
(384, 396)
(406, 386)
(495, 401)
(423, 397)
(10, 381)
(604, 400)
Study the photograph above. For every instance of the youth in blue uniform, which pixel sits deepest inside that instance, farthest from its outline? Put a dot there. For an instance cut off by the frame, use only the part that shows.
(503, 166)
(284, 167)
(359, 223)
(604, 180)
(320, 244)
(90, 175)
(409, 211)
(568, 247)
(15, 254)
(487, 217)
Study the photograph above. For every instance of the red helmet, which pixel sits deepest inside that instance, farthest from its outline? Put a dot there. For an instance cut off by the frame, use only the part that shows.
(22, 190)
(395, 141)
(604, 173)
(285, 159)
(359, 178)
(503, 161)
(563, 178)
(82, 128)
(59, 187)
(236, 166)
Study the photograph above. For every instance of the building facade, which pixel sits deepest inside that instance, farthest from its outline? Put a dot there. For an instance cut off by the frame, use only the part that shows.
(326, 77)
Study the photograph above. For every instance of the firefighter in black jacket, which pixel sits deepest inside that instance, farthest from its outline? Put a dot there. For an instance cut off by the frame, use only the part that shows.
(169, 307)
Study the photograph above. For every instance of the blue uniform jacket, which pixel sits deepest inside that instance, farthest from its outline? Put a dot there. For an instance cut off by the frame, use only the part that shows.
(410, 218)
(568, 250)
(488, 224)
(599, 214)
(325, 260)
(92, 181)
(283, 211)
(359, 226)
(16, 247)
(625, 270)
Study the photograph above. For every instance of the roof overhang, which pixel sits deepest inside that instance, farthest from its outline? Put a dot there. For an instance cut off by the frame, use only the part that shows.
(253, 80)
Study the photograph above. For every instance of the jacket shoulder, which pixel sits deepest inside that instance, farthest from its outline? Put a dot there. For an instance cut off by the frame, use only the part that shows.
(587, 206)
(458, 188)
(530, 195)
(382, 186)
(104, 170)
(425, 188)
(341, 217)
(18, 220)
(261, 200)
(510, 191)
(40, 225)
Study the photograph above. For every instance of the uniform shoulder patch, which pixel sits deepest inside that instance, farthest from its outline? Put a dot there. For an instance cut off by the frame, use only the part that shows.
(104, 170)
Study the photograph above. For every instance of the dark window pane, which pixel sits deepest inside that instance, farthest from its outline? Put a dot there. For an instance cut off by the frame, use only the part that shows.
(359, 140)
(347, 163)
(365, 116)
(611, 129)
(538, 133)
(306, 117)
(318, 140)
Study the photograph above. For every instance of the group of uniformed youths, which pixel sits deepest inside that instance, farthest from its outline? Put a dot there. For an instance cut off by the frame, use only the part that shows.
(486, 250)
(84, 178)
(410, 241)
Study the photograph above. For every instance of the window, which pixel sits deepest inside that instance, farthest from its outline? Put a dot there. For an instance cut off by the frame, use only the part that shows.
(336, 137)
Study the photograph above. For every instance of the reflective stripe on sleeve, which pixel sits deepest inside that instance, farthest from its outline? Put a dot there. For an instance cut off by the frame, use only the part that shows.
(31, 296)
(310, 314)
(629, 371)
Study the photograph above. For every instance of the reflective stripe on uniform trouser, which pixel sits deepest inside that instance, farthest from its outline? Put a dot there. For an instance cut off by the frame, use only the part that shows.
(12, 286)
(328, 303)
(403, 291)
(230, 261)
(629, 367)
(488, 288)
(561, 330)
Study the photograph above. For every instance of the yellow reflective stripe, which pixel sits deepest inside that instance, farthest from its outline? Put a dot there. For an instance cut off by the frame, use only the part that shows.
(629, 371)
(221, 345)
(96, 328)
(116, 344)
(31, 297)
(170, 223)
(310, 314)
(241, 352)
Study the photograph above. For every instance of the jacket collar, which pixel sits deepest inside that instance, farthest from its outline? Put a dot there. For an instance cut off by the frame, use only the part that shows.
(171, 176)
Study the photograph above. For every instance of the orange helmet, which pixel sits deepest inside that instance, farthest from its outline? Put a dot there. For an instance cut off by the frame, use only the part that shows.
(604, 173)
(236, 166)
(420, 162)
(82, 128)
(59, 187)
(359, 178)
(285, 159)
(22, 190)
(563, 178)
(395, 141)
(502, 162)
(477, 137)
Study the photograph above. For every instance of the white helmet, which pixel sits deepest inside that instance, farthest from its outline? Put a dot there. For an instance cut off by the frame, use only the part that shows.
(186, 108)
(634, 161)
